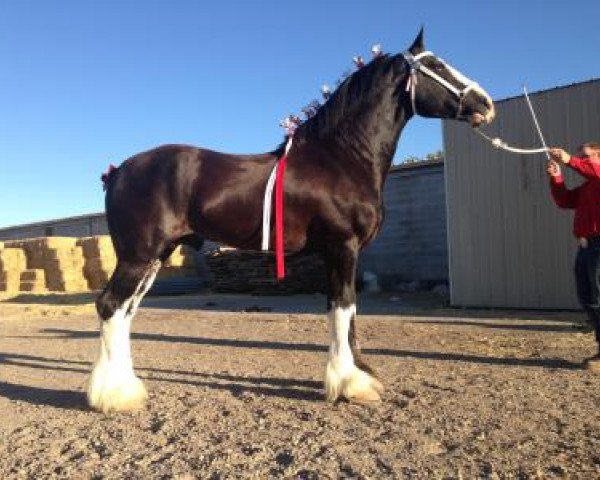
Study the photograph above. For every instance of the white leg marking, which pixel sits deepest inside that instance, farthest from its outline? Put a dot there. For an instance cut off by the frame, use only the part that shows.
(342, 377)
(113, 385)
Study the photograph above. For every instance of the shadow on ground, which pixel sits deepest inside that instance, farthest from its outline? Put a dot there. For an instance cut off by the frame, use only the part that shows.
(287, 388)
(52, 298)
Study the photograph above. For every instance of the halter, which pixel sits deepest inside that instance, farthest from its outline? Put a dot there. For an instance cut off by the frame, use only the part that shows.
(415, 65)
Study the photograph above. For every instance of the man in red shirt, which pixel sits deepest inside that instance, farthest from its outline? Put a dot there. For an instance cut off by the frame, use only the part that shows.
(585, 200)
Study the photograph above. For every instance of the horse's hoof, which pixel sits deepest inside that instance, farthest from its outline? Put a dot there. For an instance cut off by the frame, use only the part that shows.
(357, 386)
(366, 392)
(124, 395)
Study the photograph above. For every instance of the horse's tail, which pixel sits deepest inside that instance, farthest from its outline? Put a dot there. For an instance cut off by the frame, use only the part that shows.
(106, 176)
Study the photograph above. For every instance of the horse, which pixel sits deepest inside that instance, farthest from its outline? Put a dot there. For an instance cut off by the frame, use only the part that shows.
(336, 170)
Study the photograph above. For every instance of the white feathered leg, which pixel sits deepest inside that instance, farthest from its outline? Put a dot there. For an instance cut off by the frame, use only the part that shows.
(342, 377)
(113, 385)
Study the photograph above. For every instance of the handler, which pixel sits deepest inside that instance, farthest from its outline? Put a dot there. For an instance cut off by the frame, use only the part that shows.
(585, 200)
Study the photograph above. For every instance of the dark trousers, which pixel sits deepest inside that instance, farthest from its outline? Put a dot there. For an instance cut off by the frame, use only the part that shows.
(587, 277)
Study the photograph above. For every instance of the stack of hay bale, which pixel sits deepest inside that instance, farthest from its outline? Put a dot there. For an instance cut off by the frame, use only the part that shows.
(53, 263)
(236, 271)
(69, 264)
(99, 260)
(13, 264)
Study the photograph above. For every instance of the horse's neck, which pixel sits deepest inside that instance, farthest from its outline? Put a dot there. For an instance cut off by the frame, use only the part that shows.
(373, 135)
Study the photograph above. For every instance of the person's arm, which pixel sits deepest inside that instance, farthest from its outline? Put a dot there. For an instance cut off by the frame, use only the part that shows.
(586, 168)
(563, 197)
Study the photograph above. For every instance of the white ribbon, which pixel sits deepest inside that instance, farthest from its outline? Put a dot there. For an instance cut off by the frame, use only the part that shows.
(268, 201)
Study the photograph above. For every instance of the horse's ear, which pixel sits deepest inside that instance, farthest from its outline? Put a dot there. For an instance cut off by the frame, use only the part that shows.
(417, 46)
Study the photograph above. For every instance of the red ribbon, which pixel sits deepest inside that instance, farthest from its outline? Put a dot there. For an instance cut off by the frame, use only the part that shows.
(279, 255)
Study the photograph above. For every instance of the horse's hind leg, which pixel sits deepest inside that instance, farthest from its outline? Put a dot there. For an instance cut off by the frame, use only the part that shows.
(347, 374)
(113, 385)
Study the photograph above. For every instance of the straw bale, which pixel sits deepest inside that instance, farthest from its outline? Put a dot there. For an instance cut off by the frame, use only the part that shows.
(181, 257)
(100, 263)
(32, 280)
(173, 272)
(97, 246)
(97, 270)
(9, 281)
(33, 275)
(8, 287)
(44, 243)
(13, 259)
(63, 254)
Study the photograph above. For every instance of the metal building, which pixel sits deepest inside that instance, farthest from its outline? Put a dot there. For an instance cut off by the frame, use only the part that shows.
(508, 244)
(412, 242)
(79, 226)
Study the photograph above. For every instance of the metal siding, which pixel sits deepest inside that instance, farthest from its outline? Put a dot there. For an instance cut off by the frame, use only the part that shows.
(81, 226)
(412, 242)
(508, 244)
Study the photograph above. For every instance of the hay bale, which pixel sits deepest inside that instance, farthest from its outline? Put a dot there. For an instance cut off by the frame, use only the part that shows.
(182, 257)
(59, 258)
(97, 246)
(99, 260)
(12, 259)
(12, 262)
(32, 280)
(97, 270)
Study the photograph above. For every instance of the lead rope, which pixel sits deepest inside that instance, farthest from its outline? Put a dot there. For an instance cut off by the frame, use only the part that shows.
(535, 120)
(499, 143)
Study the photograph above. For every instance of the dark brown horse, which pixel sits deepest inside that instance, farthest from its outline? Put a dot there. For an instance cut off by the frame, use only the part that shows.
(334, 181)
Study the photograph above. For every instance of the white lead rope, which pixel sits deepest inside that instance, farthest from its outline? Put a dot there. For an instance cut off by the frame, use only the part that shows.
(499, 143)
(535, 120)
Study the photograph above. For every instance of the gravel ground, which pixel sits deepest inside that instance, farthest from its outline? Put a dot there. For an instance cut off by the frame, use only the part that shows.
(235, 392)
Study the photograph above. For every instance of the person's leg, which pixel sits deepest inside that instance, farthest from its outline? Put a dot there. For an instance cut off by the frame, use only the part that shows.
(583, 284)
(591, 265)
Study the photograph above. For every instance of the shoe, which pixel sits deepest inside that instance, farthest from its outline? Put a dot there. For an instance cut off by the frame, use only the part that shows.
(593, 363)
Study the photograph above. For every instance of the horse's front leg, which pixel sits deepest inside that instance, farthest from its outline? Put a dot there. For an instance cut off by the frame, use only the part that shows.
(113, 385)
(347, 375)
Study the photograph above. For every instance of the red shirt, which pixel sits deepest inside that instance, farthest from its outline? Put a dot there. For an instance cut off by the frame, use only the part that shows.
(585, 199)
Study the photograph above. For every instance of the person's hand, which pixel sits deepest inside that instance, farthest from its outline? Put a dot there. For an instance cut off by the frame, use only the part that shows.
(559, 155)
(553, 169)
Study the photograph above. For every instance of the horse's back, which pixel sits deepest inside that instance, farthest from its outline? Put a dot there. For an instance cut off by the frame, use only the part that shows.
(172, 191)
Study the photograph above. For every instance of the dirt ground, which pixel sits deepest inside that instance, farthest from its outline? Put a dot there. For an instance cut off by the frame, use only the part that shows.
(235, 392)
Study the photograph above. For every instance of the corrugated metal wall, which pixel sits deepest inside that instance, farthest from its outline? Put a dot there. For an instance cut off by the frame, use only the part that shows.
(81, 226)
(509, 245)
(412, 243)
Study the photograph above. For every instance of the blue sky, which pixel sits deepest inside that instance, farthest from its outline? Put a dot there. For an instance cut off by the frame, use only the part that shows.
(85, 83)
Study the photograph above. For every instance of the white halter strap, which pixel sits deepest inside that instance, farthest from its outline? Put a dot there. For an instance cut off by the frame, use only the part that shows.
(415, 66)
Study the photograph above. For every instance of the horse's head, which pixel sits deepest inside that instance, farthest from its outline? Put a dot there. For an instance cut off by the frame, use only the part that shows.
(440, 91)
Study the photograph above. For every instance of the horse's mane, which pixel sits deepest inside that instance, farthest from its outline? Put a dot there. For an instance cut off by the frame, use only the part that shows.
(358, 89)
